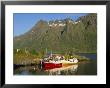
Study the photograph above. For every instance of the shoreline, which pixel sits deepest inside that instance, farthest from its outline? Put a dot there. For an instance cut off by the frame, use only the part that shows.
(33, 63)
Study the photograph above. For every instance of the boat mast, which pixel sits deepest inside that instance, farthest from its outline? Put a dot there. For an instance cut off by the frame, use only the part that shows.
(51, 53)
(46, 51)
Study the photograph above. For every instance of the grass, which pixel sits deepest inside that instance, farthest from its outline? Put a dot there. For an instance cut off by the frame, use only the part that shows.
(25, 59)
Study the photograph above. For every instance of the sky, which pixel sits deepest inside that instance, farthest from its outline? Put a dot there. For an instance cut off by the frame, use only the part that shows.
(23, 22)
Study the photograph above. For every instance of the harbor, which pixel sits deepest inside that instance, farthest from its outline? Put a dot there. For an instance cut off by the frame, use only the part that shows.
(79, 68)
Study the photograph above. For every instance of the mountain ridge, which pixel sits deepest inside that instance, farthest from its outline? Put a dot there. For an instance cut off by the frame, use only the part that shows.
(61, 35)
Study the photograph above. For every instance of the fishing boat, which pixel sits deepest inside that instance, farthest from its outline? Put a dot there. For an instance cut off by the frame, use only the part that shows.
(57, 61)
(57, 64)
(49, 64)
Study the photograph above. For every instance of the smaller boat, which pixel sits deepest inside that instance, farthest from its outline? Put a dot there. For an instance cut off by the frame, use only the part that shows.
(69, 62)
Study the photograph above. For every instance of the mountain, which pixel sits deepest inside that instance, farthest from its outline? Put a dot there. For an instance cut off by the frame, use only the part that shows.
(61, 35)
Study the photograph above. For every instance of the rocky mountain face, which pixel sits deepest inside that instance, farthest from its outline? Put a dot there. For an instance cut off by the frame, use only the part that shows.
(61, 35)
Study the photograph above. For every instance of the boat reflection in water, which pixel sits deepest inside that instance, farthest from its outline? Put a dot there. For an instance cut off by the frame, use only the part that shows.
(38, 70)
(65, 70)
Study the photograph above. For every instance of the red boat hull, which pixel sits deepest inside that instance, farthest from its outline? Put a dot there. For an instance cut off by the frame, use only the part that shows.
(52, 65)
